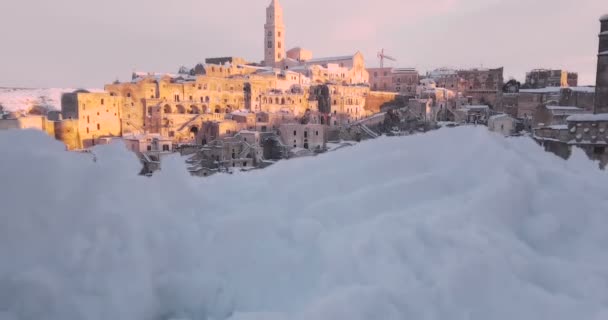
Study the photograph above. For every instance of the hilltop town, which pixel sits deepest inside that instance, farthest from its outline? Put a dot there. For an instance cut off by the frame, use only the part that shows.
(232, 114)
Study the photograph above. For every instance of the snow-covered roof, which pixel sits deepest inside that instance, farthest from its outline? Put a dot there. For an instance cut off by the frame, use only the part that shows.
(603, 53)
(499, 116)
(564, 108)
(330, 59)
(542, 90)
(604, 17)
(588, 117)
(558, 127)
(472, 107)
(145, 136)
(582, 89)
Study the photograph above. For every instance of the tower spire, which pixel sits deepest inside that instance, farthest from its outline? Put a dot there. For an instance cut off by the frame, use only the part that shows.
(274, 35)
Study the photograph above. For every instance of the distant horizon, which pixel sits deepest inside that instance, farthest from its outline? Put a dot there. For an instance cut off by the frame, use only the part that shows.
(65, 44)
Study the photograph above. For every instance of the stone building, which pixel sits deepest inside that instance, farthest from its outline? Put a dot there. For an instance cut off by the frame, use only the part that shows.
(549, 115)
(601, 85)
(478, 86)
(98, 115)
(145, 143)
(586, 131)
(274, 35)
(303, 136)
(400, 80)
(543, 78)
(503, 124)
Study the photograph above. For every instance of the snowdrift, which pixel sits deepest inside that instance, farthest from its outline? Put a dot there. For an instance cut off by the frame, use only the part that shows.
(454, 224)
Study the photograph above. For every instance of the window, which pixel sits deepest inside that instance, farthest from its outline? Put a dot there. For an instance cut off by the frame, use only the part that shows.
(129, 95)
(88, 120)
(102, 102)
(149, 148)
(295, 133)
(98, 126)
(87, 129)
(317, 133)
(599, 150)
(279, 33)
(305, 134)
(245, 164)
(269, 44)
(270, 33)
(279, 44)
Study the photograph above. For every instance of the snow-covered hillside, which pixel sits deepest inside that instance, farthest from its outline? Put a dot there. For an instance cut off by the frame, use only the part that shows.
(17, 99)
(453, 224)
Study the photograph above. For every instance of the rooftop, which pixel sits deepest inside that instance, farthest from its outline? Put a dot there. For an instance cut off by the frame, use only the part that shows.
(604, 17)
(563, 108)
(330, 59)
(542, 90)
(498, 116)
(588, 117)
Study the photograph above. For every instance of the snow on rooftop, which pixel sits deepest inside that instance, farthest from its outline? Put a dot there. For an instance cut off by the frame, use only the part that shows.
(558, 127)
(542, 90)
(499, 116)
(582, 89)
(557, 108)
(588, 117)
(604, 17)
(22, 99)
(347, 235)
(330, 59)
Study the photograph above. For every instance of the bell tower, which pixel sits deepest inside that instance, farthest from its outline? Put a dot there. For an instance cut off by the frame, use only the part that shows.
(274, 35)
(601, 85)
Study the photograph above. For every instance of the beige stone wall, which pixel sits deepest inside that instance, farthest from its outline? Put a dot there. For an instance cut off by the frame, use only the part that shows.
(375, 100)
(99, 115)
(66, 131)
(306, 136)
(133, 105)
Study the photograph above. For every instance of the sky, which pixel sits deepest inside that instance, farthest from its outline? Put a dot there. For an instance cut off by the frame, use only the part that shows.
(87, 43)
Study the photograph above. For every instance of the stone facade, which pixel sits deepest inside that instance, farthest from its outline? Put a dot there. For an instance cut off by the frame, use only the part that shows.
(502, 123)
(549, 115)
(601, 86)
(400, 80)
(274, 35)
(303, 136)
(543, 78)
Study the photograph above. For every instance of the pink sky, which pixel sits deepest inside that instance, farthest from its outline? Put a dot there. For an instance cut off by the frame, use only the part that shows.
(84, 43)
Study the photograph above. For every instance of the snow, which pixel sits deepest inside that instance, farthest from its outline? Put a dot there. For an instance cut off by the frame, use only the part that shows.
(588, 117)
(542, 90)
(499, 116)
(604, 17)
(19, 99)
(386, 229)
(582, 89)
(558, 127)
(329, 59)
(558, 108)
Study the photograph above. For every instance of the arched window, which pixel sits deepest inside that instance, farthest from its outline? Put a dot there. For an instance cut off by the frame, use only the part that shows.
(167, 109)
(181, 109)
